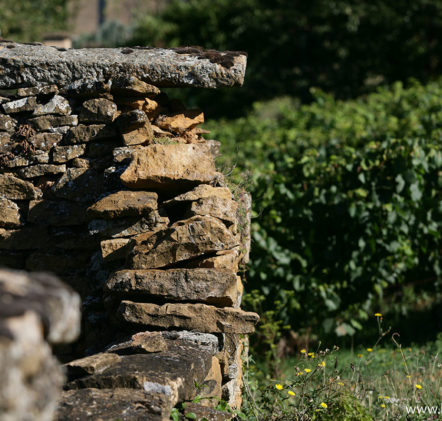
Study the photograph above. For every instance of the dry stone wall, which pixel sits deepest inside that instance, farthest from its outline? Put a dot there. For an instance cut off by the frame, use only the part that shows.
(108, 183)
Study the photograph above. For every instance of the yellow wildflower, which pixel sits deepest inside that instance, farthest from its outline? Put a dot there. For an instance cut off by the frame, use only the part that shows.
(307, 370)
(322, 364)
(291, 393)
(311, 354)
(279, 386)
(387, 397)
(303, 351)
(369, 349)
(378, 314)
(383, 405)
(360, 355)
(408, 377)
(340, 384)
(300, 373)
(323, 404)
(418, 386)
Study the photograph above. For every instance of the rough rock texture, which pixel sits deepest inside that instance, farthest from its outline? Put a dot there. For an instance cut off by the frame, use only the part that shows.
(22, 64)
(157, 166)
(34, 308)
(200, 317)
(217, 287)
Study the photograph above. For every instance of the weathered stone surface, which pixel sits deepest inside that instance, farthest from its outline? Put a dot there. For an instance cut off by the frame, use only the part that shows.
(9, 213)
(141, 343)
(163, 165)
(135, 127)
(181, 121)
(43, 294)
(211, 387)
(13, 188)
(139, 135)
(132, 86)
(184, 240)
(96, 363)
(128, 227)
(216, 287)
(86, 88)
(20, 105)
(16, 161)
(115, 249)
(56, 105)
(30, 376)
(224, 209)
(56, 213)
(47, 122)
(5, 142)
(205, 341)
(41, 169)
(202, 191)
(171, 373)
(205, 413)
(201, 317)
(98, 110)
(66, 153)
(7, 123)
(45, 141)
(34, 65)
(84, 134)
(124, 153)
(113, 404)
(124, 203)
(228, 259)
(37, 90)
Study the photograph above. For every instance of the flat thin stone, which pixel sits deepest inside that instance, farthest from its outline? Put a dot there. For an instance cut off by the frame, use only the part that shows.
(36, 64)
(9, 213)
(19, 105)
(47, 122)
(14, 188)
(41, 169)
(56, 105)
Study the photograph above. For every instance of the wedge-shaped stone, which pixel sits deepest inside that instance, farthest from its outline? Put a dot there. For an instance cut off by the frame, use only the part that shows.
(201, 192)
(132, 86)
(228, 259)
(139, 135)
(113, 404)
(184, 240)
(225, 209)
(20, 105)
(56, 213)
(180, 121)
(124, 203)
(66, 153)
(41, 169)
(172, 373)
(217, 287)
(57, 105)
(84, 134)
(13, 188)
(200, 317)
(7, 123)
(157, 166)
(9, 213)
(98, 110)
(141, 343)
(47, 122)
(90, 365)
(114, 249)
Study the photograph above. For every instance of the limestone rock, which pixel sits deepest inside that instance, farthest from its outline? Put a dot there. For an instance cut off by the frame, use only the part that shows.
(202, 191)
(140, 343)
(206, 341)
(201, 317)
(135, 127)
(43, 294)
(86, 88)
(63, 154)
(56, 105)
(113, 404)
(114, 249)
(132, 86)
(45, 141)
(166, 165)
(211, 387)
(84, 134)
(124, 153)
(125, 203)
(37, 90)
(98, 110)
(20, 105)
(96, 363)
(228, 259)
(216, 287)
(7, 123)
(180, 121)
(127, 227)
(13, 188)
(56, 213)
(223, 209)
(47, 122)
(9, 213)
(41, 169)
(139, 135)
(184, 240)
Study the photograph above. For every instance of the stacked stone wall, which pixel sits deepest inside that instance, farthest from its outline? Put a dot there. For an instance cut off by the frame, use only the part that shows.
(108, 183)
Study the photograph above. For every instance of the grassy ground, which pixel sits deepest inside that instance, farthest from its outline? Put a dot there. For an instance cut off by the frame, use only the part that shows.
(373, 383)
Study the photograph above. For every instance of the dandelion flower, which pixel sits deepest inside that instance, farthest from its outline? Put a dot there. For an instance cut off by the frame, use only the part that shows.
(360, 355)
(300, 373)
(369, 349)
(387, 397)
(322, 364)
(383, 405)
(378, 314)
(279, 386)
(307, 370)
(408, 377)
(311, 354)
(340, 384)
(418, 386)
(324, 405)
(291, 393)
(303, 351)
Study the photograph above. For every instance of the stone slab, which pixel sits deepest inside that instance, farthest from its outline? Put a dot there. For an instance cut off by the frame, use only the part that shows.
(27, 65)
(200, 317)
